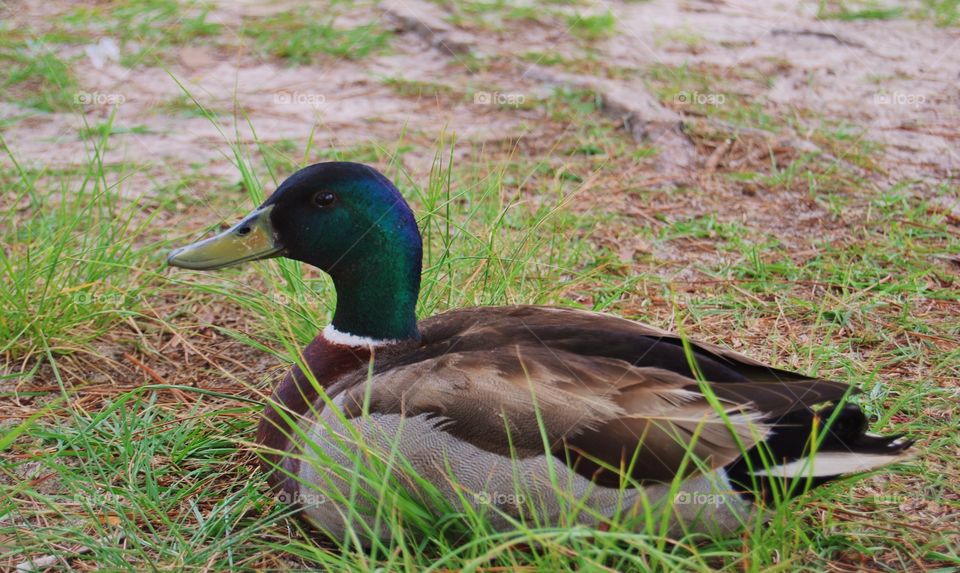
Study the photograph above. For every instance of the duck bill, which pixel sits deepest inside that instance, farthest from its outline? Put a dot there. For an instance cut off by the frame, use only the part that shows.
(251, 239)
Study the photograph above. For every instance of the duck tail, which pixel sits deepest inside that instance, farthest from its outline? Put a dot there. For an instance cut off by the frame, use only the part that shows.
(806, 449)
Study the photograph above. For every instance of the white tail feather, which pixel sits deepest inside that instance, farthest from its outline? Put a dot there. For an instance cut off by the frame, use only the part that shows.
(831, 464)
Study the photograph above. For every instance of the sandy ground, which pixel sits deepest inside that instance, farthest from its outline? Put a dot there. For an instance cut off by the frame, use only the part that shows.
(896, 79)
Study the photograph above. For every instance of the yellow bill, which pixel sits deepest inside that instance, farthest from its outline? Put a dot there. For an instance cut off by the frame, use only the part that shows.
(251, 239)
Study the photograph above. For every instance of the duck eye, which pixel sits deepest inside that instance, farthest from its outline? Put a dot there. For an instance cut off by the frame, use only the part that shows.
(324, 198)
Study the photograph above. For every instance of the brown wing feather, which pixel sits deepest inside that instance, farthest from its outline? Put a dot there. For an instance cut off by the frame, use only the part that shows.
(602, 389)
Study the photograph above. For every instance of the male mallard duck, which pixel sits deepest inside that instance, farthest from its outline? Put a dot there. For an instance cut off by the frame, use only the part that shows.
(473, 398)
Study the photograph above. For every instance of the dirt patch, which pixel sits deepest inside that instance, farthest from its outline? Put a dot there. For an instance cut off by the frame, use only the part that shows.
(892, 79)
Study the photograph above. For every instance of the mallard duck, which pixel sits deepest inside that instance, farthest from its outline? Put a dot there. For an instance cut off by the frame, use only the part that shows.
(574, 405)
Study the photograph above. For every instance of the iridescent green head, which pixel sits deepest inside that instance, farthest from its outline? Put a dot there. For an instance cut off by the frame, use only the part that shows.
(347, 220)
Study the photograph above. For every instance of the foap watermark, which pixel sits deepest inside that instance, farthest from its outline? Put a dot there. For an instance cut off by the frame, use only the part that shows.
(497, 498)
(899, 98)
(114, 299)
(699, 498)
(98, 498)
(299, 98)
(304, 498)
(286, 299)
(709, 98)
(499, 98)
(98, 98)
(889, 499)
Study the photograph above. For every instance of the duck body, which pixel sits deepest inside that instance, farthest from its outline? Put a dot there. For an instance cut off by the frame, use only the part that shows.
(558, 416)
(445, 402)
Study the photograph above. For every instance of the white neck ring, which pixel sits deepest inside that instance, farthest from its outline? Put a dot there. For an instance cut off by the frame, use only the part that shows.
(331, 334)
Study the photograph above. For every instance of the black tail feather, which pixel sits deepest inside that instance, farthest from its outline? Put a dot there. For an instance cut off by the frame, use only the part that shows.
(765, 472)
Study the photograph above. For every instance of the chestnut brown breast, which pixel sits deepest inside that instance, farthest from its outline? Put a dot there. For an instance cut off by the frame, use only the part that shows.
(294, 397)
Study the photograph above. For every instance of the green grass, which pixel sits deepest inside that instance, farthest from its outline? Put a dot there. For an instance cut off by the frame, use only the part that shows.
(300, 37)
(498, 15)
(44, 81)
(943, 12)
(592, 27)
(99, 131)
(705, 91)
(167, 21)
(69, 269)
(146, 30)
(183, 106)
(847, 15)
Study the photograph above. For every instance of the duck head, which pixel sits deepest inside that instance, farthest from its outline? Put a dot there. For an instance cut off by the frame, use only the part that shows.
(346, 219)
